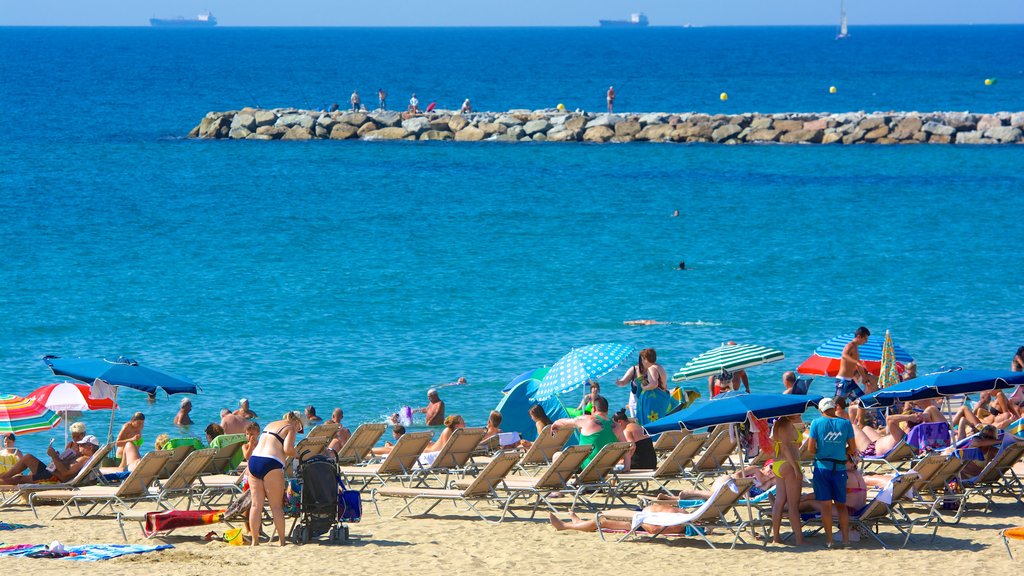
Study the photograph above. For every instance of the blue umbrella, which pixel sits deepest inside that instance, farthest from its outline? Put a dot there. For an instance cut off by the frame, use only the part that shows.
(580, 366)
(870, 350)
(534, 376)
(940, 384)
(733, 410)
(121, 372)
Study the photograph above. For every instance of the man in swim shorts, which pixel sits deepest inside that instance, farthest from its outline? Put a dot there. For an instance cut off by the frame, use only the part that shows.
(832, 444)
(851, 368)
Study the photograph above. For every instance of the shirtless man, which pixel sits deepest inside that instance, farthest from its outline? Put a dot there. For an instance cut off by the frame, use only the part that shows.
(244, 411)
(231, 423)
(343, 433)
(611, 98)
(851, 368)
(435, 410)
(65, 466)
(182, 418)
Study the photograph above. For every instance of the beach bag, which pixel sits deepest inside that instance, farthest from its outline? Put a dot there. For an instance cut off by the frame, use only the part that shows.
(350, 506)
(951, 499)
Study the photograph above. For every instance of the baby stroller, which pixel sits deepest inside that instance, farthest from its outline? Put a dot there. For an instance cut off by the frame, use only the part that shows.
(324, 504)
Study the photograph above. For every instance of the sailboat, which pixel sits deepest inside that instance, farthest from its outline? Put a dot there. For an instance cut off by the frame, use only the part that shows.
(843, 33)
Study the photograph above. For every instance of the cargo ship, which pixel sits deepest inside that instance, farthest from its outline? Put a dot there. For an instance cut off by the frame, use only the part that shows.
(636, 20)
(206, 20)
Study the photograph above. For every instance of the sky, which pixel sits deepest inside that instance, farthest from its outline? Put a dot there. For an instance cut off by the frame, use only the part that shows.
(505, 13)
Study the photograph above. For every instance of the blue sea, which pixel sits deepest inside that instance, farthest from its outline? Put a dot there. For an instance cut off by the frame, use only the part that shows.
(359, 274)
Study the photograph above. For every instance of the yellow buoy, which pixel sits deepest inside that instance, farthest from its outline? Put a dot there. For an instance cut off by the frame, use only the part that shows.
(990, 81)
(832, 90)
(561, 106)
(723, 96)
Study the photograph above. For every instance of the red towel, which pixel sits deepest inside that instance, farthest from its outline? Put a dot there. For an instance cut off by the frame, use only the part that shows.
(174, 519)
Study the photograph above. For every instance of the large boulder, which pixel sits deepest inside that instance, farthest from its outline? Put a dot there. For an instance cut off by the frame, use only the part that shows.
(215, 127)
(876, 133)
(470, 134)
(238, 133)
(802, 136)
(1017, 120)
(388, 133)
(343, 131)
(818, 124)
(788, 125)
(688, 132)
(512, 120)
(458, 122)
(295, 119)
(273, 131)
(598, 134)
(725, 132)
(939, 138)
(961, 121)
(490, 128)
(560, 134)
(761, 123)
(655, 132)
(575, 123)
(989, 121)
(416, 126)
(298, 132)
(387, 119)
(629, 128)
(244, 121)
(970, 137)
(936, 128)
(831, 138)
(1004, 134)
(537, 137)
(871, 122)
(764, 135)
(440, 122)
(514, 133)
(907, 127)
(436, 135)
(356, 119)
(604, 120)
(854, 137)
(654, 118)
(265, 118)
(534, 127)
(366, 128)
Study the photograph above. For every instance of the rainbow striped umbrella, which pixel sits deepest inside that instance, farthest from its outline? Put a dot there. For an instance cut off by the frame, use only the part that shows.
(25, 415)
(887, 374)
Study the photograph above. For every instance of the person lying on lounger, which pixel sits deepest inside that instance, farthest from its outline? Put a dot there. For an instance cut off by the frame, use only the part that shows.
(763, 477)
(580, 525)
(874, 442)
(993, 408)
(61, 470)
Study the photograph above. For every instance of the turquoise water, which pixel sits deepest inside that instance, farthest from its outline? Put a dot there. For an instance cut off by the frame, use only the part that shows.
(358, 274)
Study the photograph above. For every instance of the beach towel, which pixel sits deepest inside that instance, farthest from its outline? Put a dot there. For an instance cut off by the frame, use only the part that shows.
(226, 439)
(6, 526)
(86, 553)
(653, 404)
(929, 436)
(174, 519)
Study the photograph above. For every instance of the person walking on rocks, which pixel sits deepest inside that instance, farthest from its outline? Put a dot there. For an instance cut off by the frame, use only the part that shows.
(356, 104)
(382, 97)
(611, 98)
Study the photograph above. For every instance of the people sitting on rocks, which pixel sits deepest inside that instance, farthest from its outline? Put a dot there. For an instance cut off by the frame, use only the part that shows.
(414, 104)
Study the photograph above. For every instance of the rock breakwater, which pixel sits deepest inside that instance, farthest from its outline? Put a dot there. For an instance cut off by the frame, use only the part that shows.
(562, 126)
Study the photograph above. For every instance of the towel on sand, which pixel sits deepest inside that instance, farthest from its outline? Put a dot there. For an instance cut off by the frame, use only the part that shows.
(86, 553)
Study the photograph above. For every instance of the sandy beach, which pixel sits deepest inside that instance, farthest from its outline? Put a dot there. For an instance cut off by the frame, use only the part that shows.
(457, 543)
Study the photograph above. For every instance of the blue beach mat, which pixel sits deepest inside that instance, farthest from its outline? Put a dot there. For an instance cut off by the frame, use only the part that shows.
(5, 526)
(88, 552)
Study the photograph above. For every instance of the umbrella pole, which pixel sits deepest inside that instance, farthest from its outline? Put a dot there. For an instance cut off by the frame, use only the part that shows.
(65, 427)
(113, 409)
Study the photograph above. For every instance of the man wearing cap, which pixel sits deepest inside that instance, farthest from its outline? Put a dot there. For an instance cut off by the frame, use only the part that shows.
(243, 410)
(62, 469)
(831, 443)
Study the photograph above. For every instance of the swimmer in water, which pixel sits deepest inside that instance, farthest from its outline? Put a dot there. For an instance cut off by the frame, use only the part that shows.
(682, 265)
(675, 214)
(644, 322)
(460, 382)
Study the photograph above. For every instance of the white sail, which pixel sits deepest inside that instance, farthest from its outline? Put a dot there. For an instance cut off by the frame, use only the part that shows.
(842, 20)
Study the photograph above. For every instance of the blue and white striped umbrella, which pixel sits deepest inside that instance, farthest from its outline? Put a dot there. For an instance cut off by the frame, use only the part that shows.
(580, 366)
(870, 350)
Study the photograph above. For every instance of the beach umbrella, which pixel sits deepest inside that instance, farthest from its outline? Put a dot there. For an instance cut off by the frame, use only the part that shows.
(67, 397)
(535, 376)
(579, 366)
(122, 372)
(25, 415)
(820, 366)
(733, 409)
(727, 357)
(825, 360)
(888, 375)
(939, 384)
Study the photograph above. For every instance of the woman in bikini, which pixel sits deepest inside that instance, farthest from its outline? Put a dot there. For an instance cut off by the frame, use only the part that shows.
(266, 472)
(789, 477)
(129, 440)
(872, 442)
(641, 455)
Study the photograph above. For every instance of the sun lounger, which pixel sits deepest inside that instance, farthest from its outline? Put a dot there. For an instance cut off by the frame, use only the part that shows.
(673, 467)
(228, 455)
(668, 440)
(180, 449)
(89, 474)
(483, 488)
(400, 464)
(719, 451)
(133, 490)
(360, 443)
(594, 478)
(712, 511)
(551, 479)
(900, 455)
(326, 430)
(545, 447)
(181, 483)
(453, 457)
(998, 477)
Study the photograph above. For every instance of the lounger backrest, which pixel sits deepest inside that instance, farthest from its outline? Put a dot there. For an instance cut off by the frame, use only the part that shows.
(951, 467)
(309, 447)
(901, 452)
(878, 508)
(405, 454)
(603, 462)
(360, 443)
(492, 475)
(222, 458)
(546, 445)
(1007, 457)
(178, 456)
(669, 439)
(723, 499)
(324, 430)
(928, 467)
(91, 466)
(562, 468)
(681, 456)
(146, 470)
(186, 472)
(720, 447)
(459, 448)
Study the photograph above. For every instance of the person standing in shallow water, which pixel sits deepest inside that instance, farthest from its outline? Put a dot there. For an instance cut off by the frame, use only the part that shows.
(434, 410)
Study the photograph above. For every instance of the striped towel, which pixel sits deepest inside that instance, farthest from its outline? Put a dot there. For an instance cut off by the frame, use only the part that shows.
(86, 553)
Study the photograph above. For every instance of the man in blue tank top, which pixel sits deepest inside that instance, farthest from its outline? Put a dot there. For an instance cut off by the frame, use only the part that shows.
(832, 443)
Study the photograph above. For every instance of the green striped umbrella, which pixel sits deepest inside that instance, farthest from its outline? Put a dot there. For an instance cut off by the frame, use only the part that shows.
(25, 415)
(728, 357)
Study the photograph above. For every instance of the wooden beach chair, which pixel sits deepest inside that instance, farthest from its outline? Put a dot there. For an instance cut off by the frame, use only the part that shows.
(594, 478)
(482, 489)
(133, 490)
(400, 464)
(454, 456)
(713, 511)
(360, 443)
(89, 474)
(672, 468)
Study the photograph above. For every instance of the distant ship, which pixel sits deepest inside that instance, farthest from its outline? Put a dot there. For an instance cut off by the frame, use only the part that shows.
(843, 32)
(206, 20)
(637, 20)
